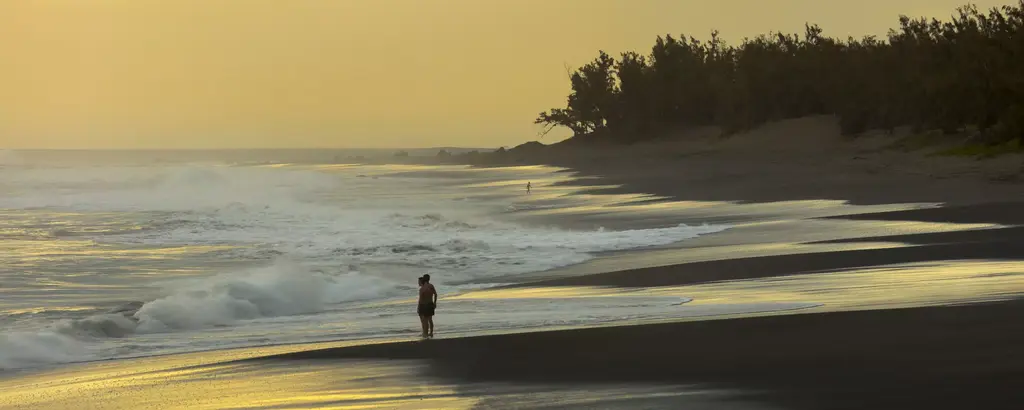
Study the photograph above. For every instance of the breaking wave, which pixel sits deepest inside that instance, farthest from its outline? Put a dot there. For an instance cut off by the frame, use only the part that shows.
(283, 289)
(333, 239)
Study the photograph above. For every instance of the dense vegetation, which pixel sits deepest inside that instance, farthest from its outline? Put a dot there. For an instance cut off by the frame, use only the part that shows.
(965, 73)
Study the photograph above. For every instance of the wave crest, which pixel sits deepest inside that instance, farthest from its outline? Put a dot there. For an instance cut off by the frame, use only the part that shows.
(283, 289)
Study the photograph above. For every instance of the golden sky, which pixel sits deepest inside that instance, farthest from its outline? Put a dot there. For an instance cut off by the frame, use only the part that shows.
(342, 73)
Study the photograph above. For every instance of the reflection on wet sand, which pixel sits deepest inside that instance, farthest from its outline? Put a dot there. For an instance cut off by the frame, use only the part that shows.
(217, 379)
(760, 239)
(176, 383)
(187, 381)
(893, 286)
(213, 380)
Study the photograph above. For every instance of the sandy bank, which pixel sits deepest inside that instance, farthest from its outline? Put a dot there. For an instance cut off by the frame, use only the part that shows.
(935, 358)
(788, 160)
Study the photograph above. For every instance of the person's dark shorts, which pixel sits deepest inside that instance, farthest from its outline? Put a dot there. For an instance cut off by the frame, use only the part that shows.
(425, 309)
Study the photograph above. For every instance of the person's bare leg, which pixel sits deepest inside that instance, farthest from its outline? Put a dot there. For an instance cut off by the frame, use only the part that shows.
(430, 321)
(423, 321)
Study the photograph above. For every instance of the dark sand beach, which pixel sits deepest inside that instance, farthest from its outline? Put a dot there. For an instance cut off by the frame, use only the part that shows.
(938, 357)
(798, 159)
(225, 205)
(958, 352)
(927, 358)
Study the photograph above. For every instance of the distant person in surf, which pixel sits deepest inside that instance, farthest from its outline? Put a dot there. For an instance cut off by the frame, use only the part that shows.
(426, 306)
(528, 186)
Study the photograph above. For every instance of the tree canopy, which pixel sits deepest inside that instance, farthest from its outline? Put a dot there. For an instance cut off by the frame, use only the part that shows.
(927, 74)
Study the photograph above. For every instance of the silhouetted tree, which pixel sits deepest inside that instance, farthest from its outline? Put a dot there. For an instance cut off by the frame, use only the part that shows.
(926, 73)
(591, 102)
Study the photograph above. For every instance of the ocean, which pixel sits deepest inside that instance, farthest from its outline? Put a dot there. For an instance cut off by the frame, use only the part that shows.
(280, 278)
(122, 254)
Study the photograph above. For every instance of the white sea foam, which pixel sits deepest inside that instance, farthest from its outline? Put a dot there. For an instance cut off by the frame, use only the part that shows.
(31, 348)
(319, 216)
(280, 290)
(301, 242)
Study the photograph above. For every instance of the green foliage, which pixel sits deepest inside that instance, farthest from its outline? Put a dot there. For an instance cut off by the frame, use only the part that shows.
(927, 74)
(985, 150)
(592, 101)
(913, 142)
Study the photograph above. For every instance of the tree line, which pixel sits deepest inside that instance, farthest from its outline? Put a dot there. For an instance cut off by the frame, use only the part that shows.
(964, 73)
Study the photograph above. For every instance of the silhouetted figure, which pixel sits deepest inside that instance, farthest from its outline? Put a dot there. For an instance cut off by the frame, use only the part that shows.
(426, 306)
(528, 186)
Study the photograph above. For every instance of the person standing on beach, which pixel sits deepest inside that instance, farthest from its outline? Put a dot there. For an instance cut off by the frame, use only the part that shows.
(528, 186)
(426, 306)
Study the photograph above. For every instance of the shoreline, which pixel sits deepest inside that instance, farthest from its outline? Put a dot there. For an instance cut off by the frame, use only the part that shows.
(950, 356)
(935, 357)
(918, 357)
(798, 159)
(932, 357)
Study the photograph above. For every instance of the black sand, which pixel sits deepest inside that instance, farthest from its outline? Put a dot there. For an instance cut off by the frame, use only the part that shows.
(951, 357)
(964, 357)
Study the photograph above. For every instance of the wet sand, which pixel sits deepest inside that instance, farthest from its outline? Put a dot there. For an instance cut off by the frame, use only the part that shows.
(939, 357)
(1002, 243)
(935, 357)
(929, 358)
(999, 245)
